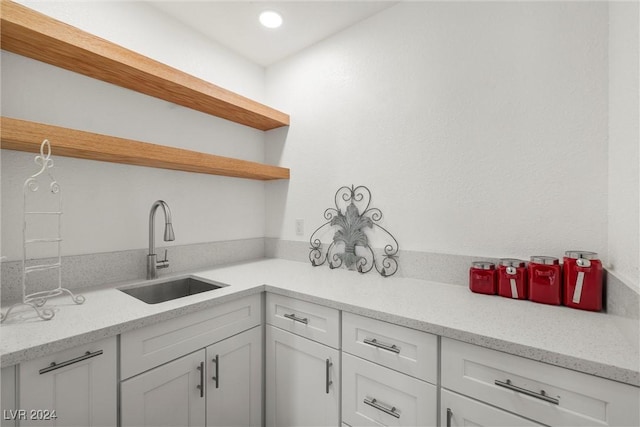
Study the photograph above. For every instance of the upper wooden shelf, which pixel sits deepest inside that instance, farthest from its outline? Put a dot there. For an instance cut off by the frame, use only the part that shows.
(24, 135)
(38, 36)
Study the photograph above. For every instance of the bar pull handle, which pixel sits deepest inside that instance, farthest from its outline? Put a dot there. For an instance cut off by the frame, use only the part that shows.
(295, 318)
(449, 416)
(374, 342)
(216, 378)
(201, 385)
(328, 382)
(542, 395)
(54, 365)
(381, 407)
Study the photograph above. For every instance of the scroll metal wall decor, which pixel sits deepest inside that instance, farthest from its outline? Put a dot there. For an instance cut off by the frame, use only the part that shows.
(350, 245)
(37, 300)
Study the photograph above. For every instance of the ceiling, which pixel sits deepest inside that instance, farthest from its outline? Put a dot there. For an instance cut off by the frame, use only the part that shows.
(234, 24)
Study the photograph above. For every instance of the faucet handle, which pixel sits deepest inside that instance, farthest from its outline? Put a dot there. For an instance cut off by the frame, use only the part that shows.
(163, 263)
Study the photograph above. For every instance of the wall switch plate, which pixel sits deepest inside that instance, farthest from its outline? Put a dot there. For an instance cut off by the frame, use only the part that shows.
(299, 227)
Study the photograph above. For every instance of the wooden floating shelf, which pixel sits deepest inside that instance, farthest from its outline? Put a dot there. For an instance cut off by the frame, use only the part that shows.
(24, 135)
(38, 36)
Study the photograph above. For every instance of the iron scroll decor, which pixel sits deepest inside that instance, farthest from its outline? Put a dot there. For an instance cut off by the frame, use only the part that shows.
(350, 247)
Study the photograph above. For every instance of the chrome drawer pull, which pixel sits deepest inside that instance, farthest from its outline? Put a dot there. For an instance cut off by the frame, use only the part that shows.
(216, 378)
(542, 395)
(374, 403)
(201, 385)
(296, 318)
(374, 342)
(328, 365)
(449, 416)
(54, 365)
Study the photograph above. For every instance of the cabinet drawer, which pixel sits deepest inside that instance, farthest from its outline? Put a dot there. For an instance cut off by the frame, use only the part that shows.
(545, 393)
(79, 384)
(457, 410)
(145, 348)
(406, 350)
(313, 321)
(373, 395)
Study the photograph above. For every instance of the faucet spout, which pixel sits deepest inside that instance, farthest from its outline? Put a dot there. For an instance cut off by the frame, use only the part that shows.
(152, 263)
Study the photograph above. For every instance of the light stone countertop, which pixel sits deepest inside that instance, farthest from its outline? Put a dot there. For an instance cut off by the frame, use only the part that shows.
(595, 343)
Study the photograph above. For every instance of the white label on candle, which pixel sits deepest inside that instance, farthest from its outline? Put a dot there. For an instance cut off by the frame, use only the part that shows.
(577, 293)
(514, 288)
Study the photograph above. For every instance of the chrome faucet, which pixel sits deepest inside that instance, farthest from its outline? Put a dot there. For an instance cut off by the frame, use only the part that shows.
(152, 263)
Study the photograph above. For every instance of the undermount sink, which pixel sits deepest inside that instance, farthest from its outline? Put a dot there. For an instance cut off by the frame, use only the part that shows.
(169, 290)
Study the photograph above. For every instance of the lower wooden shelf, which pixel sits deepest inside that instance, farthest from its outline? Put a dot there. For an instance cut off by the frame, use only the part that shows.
(27, 136)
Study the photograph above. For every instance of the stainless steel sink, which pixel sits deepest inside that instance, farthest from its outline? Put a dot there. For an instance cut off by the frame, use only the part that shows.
(169, 290)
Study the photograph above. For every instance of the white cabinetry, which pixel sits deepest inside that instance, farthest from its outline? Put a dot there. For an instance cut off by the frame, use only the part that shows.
(392, 381)
(302, 381)
(213, 381)
(302, 369)
(8, 395)
(377, 396)
(145, 348)
(76, 387)
(219, 386)
(169, 395)
(234, 380)
(538, 391)
(313, 321)
(458, 411)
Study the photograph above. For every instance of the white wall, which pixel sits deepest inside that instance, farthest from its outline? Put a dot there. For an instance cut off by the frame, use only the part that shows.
(481, 128)
(107, 205)
(624, 141)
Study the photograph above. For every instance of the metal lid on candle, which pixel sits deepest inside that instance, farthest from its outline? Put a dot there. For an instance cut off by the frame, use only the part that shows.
(511, 262)
(547, 260)
(483, 265)
(581, 254)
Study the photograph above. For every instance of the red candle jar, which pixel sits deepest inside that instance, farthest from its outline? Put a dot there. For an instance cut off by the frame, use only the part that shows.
(482, 277)
(512, 278)
(545, 280)
(582, 280)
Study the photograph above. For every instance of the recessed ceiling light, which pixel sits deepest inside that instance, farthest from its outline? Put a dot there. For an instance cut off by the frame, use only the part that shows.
(270, 19)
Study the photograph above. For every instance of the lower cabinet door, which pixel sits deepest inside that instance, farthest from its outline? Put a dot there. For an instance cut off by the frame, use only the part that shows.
(8, 397)
(76, 387)
(373, 395)
(234, 380)
(457, 410)
(169, 395)
(303, 381)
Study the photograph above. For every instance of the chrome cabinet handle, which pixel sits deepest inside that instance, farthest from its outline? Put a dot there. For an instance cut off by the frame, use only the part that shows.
(201, 385)
(542, 395)
(380, 407)
(216, 378)
(296, 318)
(328, 365)
(374, 342)
(449, 416)
(54, 365)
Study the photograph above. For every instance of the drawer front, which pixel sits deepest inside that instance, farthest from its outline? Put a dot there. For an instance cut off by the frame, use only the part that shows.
(459, 411)
(545, 393)
(406, 350)
(80, 384)
(145, 348)
(373, 395)
(313, 321)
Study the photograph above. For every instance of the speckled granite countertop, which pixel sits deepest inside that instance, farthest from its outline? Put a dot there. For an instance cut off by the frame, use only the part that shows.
(594, 343)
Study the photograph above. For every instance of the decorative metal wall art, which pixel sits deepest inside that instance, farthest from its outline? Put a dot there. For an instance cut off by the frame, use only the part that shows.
(350, 247)
(37, 300)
